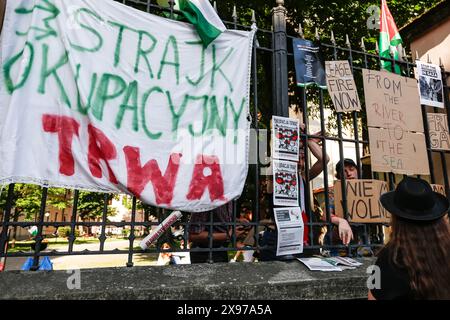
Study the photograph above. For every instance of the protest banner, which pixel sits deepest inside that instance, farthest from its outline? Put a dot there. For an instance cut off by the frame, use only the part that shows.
(285, 183)
(285, 137)
(431, 87)
(99, 96)
(363, 200)
(396, 139)
(401, 152)
(308, 64)
(341, 86)
(438, 131)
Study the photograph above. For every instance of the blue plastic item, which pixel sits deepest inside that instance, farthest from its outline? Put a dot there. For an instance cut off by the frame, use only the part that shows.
(45, 264)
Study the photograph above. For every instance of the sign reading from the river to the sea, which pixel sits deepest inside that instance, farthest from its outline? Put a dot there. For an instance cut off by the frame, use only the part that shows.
(394, 117)
(99, 96)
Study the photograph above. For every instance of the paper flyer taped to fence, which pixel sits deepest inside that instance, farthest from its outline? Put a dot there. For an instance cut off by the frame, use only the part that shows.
(285, 137)
(285, 183)
(290, 230)
(99, 96)
(431, 87)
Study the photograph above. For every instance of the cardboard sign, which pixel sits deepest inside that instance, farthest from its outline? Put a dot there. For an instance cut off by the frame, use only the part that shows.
(363, 200)
(341, 86)
(285, 183)
(438, 188)
(431, 87)
(438, 131)
(99, 96)
(392, 101)
(398, 151)
(285, 138)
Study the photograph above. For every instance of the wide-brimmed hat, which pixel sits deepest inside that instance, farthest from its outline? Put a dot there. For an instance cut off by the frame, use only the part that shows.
(414, 199)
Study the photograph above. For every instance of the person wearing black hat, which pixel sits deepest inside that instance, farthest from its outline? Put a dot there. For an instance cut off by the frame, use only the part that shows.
(415, 263)
(350, 169)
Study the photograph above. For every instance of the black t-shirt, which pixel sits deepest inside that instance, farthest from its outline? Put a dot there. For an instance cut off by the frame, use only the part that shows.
(394, 281)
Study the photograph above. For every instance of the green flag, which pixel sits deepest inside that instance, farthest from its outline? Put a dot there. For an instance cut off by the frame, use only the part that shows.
(389, 38)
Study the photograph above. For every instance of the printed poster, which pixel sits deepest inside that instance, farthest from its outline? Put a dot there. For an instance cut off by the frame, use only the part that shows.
(431, 87)
(290, 230)
(308, 63)
(285, 138)
(285, 184)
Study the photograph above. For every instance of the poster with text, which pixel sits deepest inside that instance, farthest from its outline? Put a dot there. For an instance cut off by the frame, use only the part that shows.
(394, 116)
(290, 230)
(341, 86)
(398, 151)
(431, 87)
(285, 183)
(308, 64)
(285, 138)
(438, 131)
(363, 205)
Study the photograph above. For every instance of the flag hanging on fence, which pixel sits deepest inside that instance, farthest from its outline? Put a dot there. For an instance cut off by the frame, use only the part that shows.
(389, 38)
(204, 18)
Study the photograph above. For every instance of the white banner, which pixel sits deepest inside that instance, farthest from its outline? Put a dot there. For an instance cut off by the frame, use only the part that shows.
(99, 96)
(431, 88)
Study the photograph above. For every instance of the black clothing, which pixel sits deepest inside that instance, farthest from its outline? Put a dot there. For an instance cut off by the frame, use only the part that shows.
(394, 281)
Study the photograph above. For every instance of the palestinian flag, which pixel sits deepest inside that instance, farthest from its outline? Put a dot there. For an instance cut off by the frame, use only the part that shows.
(389, 38)
(204, 18)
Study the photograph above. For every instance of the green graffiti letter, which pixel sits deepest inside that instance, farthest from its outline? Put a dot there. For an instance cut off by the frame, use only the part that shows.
(176, 116)
(119, 40)
(214, 117)
(47, 71)
(176, 63)
(103, 93)
(202, 64)
(236, 116)
(151, 135)
(10, 86)
(132, 93)
(205, 116)
(217, 67)
(92, 30)
(83, 109)
(144, 52)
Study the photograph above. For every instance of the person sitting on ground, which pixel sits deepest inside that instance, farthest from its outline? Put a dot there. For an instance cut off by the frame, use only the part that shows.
(414, 264)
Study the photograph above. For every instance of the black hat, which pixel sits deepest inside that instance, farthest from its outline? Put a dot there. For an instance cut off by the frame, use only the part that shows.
(347, 162)
(413, 199)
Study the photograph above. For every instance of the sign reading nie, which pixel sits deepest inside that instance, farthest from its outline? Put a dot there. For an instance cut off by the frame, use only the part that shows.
(99, 96)
(394, 117)
(363, 200)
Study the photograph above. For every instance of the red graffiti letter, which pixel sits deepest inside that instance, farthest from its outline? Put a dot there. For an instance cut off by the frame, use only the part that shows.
(66, 128)
(212, 181)
(139, 176)
(100, 148)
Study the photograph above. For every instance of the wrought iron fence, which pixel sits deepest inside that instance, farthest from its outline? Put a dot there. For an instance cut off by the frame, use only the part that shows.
(273, 92)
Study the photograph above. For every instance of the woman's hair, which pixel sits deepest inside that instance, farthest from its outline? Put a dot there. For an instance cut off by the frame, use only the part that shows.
(423, 249)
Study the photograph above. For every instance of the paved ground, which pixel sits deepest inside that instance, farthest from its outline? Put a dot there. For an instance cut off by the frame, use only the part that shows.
(90, 261)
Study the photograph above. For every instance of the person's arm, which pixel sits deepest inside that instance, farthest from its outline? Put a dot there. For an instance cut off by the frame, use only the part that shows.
(203, 237)
(370, 296)
(345, 231)
(316, 150)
